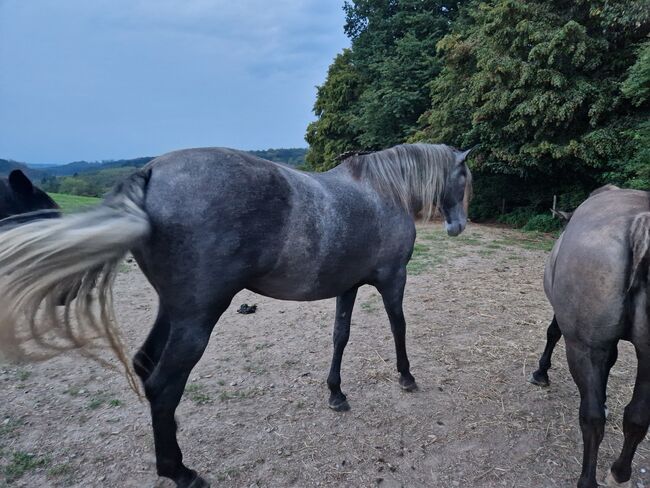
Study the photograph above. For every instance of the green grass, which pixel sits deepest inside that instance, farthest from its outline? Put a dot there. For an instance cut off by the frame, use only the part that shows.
(72, 203)
(21, 463)
(197, 394)
(534, 241)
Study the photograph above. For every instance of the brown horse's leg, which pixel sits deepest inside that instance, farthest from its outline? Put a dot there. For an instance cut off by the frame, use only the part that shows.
(635, 420)
(344, 306)
(392, 293)
(589, 368)
(188, 337)
(553, 334)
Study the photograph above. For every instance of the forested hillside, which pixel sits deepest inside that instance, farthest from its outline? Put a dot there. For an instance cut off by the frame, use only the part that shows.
(556, 93)
(95, 178)
(7, 166)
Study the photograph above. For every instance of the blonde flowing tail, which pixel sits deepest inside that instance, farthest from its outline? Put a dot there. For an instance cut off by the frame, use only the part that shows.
(71, 261)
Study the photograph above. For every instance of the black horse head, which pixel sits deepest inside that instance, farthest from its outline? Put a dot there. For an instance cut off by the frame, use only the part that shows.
(21, 201)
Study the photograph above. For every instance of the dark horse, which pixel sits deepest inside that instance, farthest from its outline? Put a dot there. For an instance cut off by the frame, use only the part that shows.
(204, 224)
(596, 279)
(21, 201)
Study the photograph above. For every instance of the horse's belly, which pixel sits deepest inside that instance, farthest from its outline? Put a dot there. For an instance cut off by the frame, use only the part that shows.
(305, 286)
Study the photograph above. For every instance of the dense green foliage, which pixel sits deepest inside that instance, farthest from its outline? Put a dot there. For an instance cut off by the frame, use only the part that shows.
(376, 91)
(555, 92)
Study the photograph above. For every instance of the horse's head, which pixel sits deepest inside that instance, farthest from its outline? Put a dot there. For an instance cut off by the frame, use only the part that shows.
(455, 200)
(19, 196)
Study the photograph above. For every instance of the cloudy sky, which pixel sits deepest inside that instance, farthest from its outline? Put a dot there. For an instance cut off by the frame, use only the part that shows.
(109, 79)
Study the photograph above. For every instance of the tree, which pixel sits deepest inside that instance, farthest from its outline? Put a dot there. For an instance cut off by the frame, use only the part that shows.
(334, 133)
(538, 84)
(376, 91)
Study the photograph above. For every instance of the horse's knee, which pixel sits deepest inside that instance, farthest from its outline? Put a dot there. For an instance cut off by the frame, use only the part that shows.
(142, 365)
(592, 416)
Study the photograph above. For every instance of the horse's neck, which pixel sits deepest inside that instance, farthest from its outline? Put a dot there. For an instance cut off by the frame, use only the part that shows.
(354, 174)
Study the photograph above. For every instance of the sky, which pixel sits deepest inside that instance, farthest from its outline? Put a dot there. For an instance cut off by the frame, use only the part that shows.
(112, 79)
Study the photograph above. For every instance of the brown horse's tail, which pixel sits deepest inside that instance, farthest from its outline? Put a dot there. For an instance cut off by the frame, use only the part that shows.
(71, 261)
(640, 244)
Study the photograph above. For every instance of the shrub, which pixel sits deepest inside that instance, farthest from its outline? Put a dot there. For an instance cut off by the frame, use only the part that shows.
(543, 223)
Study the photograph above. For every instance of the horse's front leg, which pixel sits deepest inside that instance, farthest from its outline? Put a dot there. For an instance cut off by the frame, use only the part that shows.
(392, 293)
(344, 306)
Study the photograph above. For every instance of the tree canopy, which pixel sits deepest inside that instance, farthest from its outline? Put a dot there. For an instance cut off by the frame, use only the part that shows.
(556, 92)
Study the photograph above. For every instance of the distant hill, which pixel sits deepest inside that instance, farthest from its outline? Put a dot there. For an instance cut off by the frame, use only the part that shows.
(7, 166)
(295, 156)
(80, 167)
(88, 178)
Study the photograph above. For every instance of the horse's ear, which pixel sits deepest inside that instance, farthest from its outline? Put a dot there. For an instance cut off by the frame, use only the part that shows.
(461, 156)
(20, 183)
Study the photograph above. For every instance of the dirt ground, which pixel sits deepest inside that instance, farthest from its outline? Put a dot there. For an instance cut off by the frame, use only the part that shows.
(255, 411)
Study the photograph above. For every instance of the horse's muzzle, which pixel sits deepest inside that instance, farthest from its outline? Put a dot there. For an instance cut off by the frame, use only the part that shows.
(454, 228)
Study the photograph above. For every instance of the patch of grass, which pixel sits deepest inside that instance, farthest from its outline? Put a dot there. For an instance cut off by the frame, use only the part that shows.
(289, 363)
(73, 203)
(533, 241)
(21, 463)
(9, 426)
(239, 394)
(470, 240)
(23, 374)
(73, 391)
(486, 252)
(115, 402)
(423, 259)
(254, 368)
(228, 474)
(197, 394)
(96, 402)
(61, 470)
(371, 304)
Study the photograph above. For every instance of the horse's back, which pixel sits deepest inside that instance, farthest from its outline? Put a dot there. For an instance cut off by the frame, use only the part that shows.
(587, 273)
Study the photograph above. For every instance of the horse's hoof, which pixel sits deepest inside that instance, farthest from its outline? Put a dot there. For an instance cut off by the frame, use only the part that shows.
(539, 380)
(199, 482)
(408, 384)
(339, 405)
(611, 482)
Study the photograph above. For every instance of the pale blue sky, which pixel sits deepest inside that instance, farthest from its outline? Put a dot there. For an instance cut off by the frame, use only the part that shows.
(110, 79)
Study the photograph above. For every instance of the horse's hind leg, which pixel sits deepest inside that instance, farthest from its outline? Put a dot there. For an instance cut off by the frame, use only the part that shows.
(344, 306)
(553, 334)
(635, 420)
(146, 359)
(392, 293)
(189, 333)
(589, 367)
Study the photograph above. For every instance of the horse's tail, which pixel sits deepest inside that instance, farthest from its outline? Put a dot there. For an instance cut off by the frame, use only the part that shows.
(640, 244)
(51, 262)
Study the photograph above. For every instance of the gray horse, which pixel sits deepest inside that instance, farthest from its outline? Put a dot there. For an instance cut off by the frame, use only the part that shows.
(553, 333)
(204, 224)
(596, 279)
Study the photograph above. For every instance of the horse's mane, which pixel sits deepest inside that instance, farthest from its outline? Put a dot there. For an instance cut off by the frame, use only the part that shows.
(409, 172)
